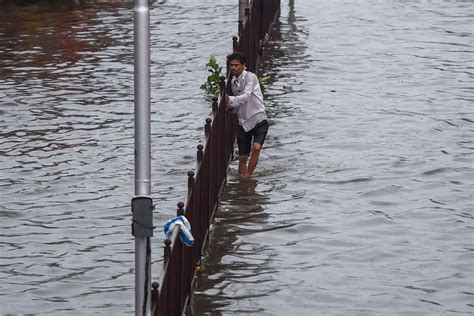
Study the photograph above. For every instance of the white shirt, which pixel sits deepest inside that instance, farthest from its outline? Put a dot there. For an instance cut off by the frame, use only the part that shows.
(248, 100)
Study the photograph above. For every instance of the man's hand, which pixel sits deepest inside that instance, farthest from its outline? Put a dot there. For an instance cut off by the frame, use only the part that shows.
(230, 108)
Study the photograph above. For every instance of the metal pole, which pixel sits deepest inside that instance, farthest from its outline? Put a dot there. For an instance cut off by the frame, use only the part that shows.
(142, 227)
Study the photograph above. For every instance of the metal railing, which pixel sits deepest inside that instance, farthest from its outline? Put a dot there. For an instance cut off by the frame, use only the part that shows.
(170, 294)
(253, 29)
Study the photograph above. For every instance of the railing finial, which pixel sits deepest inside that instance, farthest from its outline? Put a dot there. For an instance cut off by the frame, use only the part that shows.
(167, 249)
(180, 210)
(235, 43)
(207, 126)
(199, 154)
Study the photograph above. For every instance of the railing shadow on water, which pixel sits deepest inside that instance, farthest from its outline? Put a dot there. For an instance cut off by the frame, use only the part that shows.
(170, 294)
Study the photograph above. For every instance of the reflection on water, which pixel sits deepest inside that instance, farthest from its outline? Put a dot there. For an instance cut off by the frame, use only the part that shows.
(38, 34)
(232, 258)
(287, 49)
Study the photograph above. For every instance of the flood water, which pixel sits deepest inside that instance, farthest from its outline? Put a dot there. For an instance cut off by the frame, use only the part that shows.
(362, 203)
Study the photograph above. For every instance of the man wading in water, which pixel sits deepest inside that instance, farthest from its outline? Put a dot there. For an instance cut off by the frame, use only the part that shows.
(248, 104)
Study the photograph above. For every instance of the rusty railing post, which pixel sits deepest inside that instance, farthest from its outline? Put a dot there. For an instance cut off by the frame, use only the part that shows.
(235, 44)
(221, 132)
(249, 39)
(199, 153)
(207, 169)
(258, 29)
(191, 213)
(165, 307)
(214, 105)
(200, 157)
(180, 209)
(184, 271)
(155, 296)
(167, 250)
(180, 266)
(207, 128)
(222, 84)
(209, 155)
(213, 156)
(189, 201)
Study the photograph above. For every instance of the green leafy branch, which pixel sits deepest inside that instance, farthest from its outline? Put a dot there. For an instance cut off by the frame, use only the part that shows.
(211, 86)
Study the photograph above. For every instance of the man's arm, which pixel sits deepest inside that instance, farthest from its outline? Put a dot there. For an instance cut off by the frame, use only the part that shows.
(250, 85)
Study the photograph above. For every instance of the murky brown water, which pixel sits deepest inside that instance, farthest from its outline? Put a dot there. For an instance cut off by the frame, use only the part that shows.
(362, 203)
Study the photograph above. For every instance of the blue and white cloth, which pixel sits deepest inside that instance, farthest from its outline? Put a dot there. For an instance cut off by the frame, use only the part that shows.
(184, 234)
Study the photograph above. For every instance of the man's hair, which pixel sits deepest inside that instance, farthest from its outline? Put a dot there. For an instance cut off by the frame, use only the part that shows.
(237, 56)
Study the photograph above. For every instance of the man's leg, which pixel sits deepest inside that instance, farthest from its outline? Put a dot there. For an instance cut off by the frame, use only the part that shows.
(244, 140)
(256, 148)
(243, 164)
(260, 133)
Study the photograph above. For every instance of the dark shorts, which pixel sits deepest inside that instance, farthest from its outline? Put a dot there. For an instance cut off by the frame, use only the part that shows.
(244, 139)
